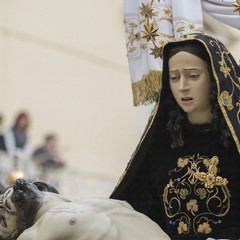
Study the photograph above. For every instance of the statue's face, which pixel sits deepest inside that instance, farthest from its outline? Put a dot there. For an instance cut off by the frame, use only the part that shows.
(190, 84)
(18, 207)
(8, 215)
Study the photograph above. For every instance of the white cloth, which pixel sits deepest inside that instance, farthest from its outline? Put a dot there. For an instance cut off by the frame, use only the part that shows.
(223, 11)
(172, 21)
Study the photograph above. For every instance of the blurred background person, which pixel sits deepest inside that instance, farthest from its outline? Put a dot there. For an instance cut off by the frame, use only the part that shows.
(2, 144)
(47, 155)
(15, 138)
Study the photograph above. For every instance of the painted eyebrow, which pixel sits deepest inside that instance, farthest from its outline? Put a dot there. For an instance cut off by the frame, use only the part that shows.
(186, 69)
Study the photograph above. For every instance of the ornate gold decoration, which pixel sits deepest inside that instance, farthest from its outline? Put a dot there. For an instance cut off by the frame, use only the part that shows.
(210, 178)
(190, 193)
(202, 193)
(145, 90)
(238, 113)
(237, 6)
(224, 68)
(182, 227)
(226, 95)
(150, 32)
(157, 52)
(226, 100)
(192, 206)
(147, 11)
(204, 228)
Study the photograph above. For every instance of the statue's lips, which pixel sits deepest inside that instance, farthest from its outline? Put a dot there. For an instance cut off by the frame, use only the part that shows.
(186, 100)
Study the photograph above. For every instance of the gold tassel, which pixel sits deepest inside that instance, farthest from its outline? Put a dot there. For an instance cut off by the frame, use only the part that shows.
(145, 91)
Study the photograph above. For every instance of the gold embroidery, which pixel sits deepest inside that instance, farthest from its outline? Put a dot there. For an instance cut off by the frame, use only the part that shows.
(182, 227)
(224, 68)
(210, 179)
(201, 192)
(190, 200)
(237, 6)
(204, 228)
(227, 100)
(192, 206)
(233, 77)
(183, 193)
(150, 32)
(182, 162)
(238, 113)
(147, 11)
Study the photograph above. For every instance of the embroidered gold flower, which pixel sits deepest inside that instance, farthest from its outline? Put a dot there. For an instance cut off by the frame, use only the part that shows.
(207, 162)
(192, 206)
(180, 29)
(150, 32)
(143, 45)
(191, 26)
(182, 162)
(237, 6)
(202, 193)
(224, 68)
(183, 193)
(132, 49)
(132, 37)
(132, 24)
(182, 227)
(226, 100)
(210, 178)
(167, 11)
(204, 228)
(147, 11)
(157, 52)
(162, 42)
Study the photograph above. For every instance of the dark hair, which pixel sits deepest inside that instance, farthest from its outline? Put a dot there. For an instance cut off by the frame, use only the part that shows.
(18, 118)
(50, 137)
(177, 115)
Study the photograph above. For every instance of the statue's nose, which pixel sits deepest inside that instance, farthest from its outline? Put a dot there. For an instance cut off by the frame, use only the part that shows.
(20, 184)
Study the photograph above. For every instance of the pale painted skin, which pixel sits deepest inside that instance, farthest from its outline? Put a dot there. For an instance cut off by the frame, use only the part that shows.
(58, 218)
(190, 84)
(7, 215)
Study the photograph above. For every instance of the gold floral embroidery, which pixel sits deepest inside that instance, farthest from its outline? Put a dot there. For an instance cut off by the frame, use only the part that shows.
(183, 193)
(151, 27)
(224, 68)
(238, 113)
(157, 52)
(150, 32)
(189, 201)
(182, 227)
(191, 26)
(226, 100)
(207, 162)
(192, 206)
(202, 193)
(209, 178)
(237, 6)
(147, 11)
(204, 228)
(182, 162)
(167, 11)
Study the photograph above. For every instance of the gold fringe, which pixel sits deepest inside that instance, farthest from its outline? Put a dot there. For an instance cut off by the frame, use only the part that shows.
(145, 91)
